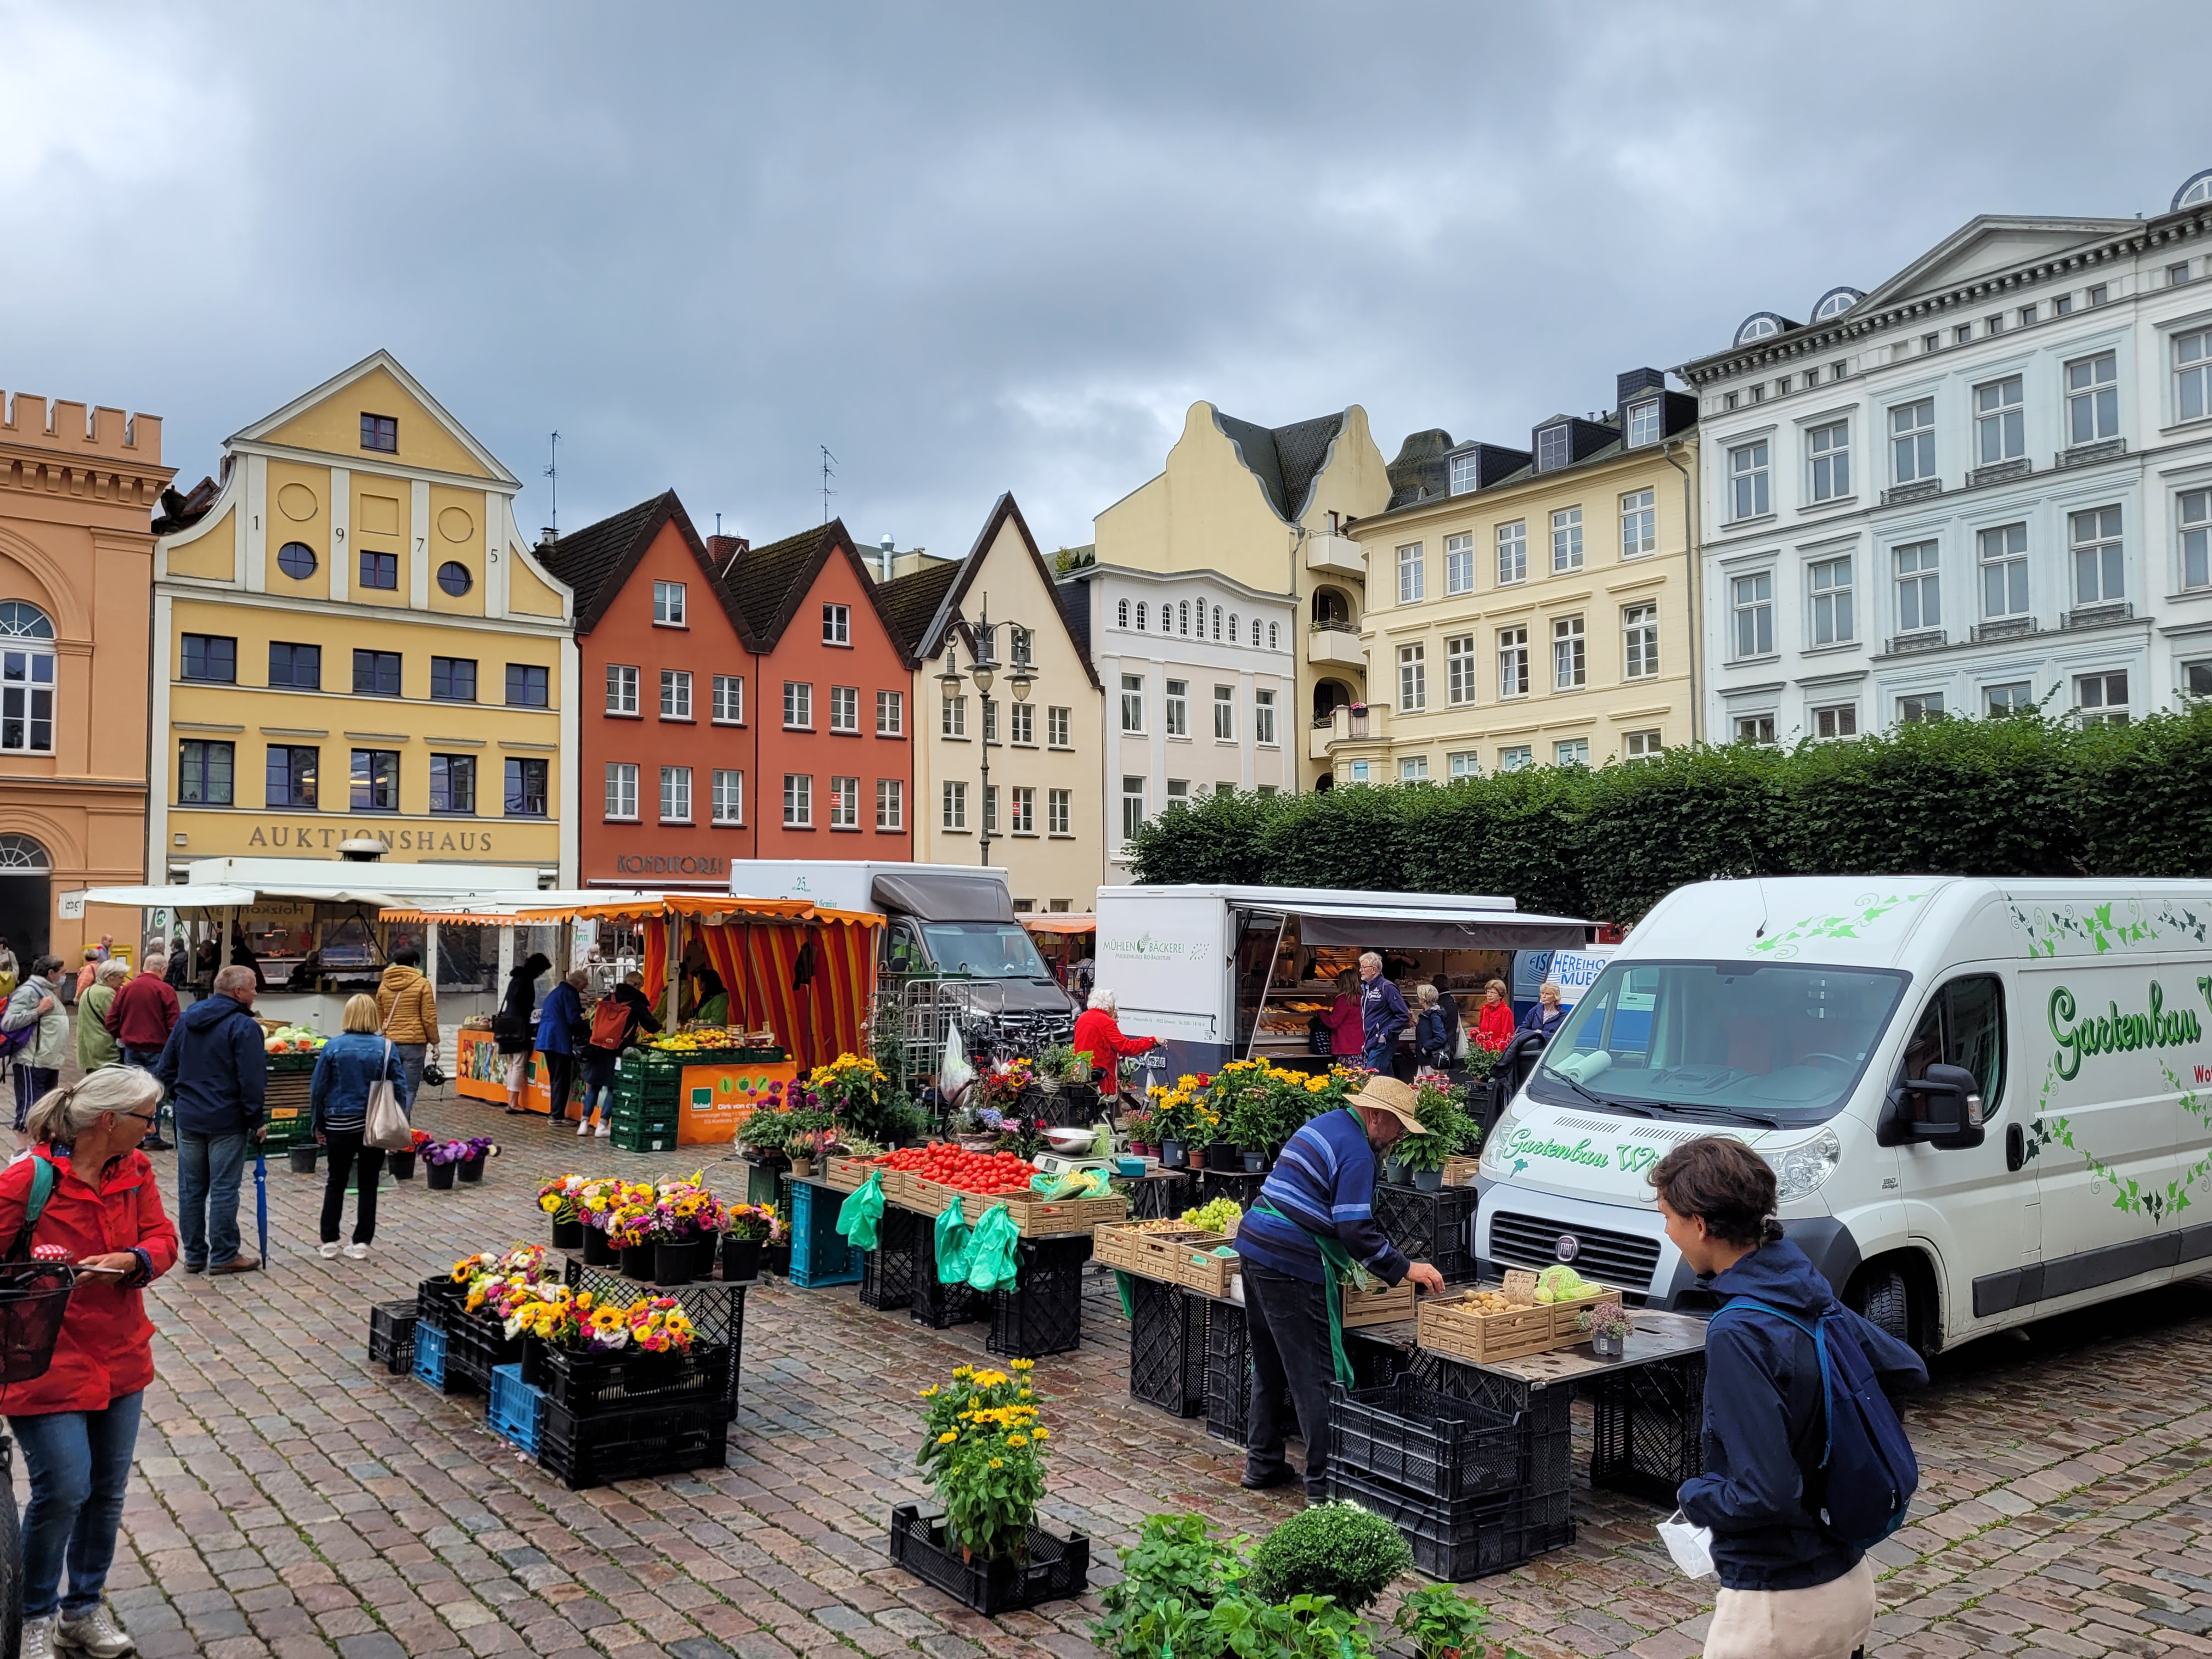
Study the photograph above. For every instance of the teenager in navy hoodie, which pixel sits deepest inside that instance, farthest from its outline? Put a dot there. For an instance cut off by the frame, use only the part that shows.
(1789, 1587)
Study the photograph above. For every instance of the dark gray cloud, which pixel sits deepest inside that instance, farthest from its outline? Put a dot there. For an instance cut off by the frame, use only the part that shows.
(995, 246)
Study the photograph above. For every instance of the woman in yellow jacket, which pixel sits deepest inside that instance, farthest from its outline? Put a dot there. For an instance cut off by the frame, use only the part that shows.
(407, 1005)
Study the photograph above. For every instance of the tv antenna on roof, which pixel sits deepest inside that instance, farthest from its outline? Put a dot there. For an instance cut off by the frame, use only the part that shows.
(553, 472)
(828, 471)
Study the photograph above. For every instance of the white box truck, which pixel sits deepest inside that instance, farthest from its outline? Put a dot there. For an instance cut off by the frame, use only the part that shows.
(1985, 1101)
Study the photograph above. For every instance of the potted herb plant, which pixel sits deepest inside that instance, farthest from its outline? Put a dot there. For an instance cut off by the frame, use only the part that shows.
(1609, 1327)
(765, 1136)
(1442, 1623)
(558, 1199)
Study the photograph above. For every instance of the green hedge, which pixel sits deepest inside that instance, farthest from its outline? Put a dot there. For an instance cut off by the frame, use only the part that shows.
(2020, 795)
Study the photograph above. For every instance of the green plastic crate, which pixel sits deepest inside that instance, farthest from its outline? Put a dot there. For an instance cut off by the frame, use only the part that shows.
(643, 1140)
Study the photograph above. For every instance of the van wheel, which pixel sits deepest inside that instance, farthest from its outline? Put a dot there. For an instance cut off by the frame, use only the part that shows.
(1878, 1295)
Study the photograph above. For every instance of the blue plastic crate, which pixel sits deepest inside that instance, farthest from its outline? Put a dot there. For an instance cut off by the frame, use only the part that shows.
(431, 1356)
(819, 1255)
(515, 1410)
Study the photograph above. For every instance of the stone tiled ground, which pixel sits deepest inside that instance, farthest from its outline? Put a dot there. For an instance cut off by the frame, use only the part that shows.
(291, 1501)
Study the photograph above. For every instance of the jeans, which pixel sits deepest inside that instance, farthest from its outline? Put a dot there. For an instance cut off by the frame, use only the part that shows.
(1288, 1326)
(598, 1082)
(79, 1463)
(208, 1171)
(1379, 1053)
(346, 1147)
(560, 1076)
(410, 1056)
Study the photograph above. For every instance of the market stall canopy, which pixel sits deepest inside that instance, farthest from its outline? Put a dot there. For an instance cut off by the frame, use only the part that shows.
(935, 897)
(714, 909)
(1060, 922)
(214, 895)
(1378, 928)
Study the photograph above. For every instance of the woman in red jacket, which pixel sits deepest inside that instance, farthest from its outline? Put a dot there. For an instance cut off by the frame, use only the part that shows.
(1098, 1037)
(1494, 1028)
(78, 1424)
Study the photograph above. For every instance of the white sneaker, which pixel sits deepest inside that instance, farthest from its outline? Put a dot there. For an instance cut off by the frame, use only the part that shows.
(356, 1252)
(331, 1251)
(98, 1633)
(606, 1128)
(583, 1126)
(39, 1639)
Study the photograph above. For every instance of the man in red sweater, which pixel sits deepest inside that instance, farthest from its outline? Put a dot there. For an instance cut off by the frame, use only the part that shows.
(143, 1016)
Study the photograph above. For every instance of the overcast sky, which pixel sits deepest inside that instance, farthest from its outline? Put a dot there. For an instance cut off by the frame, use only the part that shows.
(975, 248)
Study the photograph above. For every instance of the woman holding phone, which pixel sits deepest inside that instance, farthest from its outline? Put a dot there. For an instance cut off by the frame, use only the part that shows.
(78, 1423)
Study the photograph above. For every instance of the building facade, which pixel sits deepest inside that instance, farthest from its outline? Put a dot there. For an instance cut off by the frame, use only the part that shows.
(1037, 813)
(1985, 485)
(1200, 674)
(1264, 506)
(1529, 607)
(77, 492)
(351, 638)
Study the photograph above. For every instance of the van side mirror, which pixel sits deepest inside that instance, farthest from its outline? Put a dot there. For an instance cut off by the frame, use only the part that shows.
(1954, 1106)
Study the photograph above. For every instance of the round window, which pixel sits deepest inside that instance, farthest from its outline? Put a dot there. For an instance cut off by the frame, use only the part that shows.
(453, 576)
(296, 560)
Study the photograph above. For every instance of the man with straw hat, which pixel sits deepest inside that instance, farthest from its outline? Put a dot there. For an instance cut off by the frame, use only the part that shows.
(1312, 1224)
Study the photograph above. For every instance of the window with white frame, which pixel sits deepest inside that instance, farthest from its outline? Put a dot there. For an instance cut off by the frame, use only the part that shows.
(1216, 620)
(955, 813)
(1640, 629)
(798, 800)
(1831, 587)
(1463, 764)
(1836, 719)
(845, 709)
(2004, 550)
(2196, 677)
(1413, 769)
(729, 700)
(2192, 375)
(1513, 662)
(1519, 757)
(1640, 745)
(1643, 423)
(1513, 552)
(676, 694)
(676, 794)
(1056, 727)
(798, 705)
(1918, 707)
(1232, 628)
(890, 803)
(1263, 717)
(1919, 587)
(1570, 664)
(1224, 714)
(1754, 728)
(844, 803)
(1466, 473)
(1459, 670)
(1912, 441)
(1271, 635)
(891, 714)
(1553, 450)
(1412, 678)
(1121, 614)
(1639, 523)
(1022, 724)
(1022, 800)
(621, 688)
(1751, 601)
(1059, 811)
(990, 721)
(1828, 454)
(1749, 496)
(2093, 537)
(953, 717)
(1570, 751)
(2101, 699)
(2000, 422)
(622, 790)
(2195, 514)
(836, 625)
(1178, 704)
(2093, 398)
(1566, 539)
(1412, 575)
(2013, 697)
(729, 803)
(1140, 618)
(668, 603)
(1132, 703)
(1132, 807)
(1182, 617)
(1459, 564)
(1360, 772)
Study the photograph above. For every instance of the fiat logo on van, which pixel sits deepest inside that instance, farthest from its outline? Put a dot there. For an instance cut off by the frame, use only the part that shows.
(1568, 1247)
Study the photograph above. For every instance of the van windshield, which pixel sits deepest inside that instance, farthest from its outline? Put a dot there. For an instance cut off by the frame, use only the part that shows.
(985, 950)
(1760, 1042)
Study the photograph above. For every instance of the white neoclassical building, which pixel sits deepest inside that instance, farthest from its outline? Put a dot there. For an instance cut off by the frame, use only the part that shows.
(1983, 484)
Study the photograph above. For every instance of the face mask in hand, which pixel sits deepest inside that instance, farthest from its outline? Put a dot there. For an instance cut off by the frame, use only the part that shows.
(1690, 1546)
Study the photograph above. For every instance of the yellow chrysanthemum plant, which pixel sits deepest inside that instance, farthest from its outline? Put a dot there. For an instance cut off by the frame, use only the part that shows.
(983, 1447)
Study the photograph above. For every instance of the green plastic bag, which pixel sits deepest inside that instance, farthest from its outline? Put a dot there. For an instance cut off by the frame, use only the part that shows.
(861, 1211)
(952, 1244)
(992, 1262)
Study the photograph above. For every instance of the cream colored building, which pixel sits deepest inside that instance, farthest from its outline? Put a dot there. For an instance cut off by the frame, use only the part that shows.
(1038, 814)
(1264, 506)
(352, 638)
(1531, 607)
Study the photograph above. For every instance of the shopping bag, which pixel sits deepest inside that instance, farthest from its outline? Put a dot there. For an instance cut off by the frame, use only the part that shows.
(992, 1262)
(863, 1208)
(952, 1244)
(1692, 1546)
(387, 1129)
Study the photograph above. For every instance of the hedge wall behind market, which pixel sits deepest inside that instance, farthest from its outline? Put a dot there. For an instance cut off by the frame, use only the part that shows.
(2021, 795)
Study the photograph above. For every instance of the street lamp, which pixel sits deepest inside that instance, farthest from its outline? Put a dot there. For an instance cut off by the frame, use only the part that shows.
(984, 668)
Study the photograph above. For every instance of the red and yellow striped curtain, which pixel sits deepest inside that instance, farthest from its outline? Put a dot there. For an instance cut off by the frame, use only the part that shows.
(758, 963)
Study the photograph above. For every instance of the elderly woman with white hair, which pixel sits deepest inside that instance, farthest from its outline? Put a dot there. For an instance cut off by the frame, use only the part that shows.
(1548, 1015)
(1098, 1035)
(96, 1044)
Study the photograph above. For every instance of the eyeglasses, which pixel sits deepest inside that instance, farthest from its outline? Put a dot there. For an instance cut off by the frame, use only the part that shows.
(154, 1117)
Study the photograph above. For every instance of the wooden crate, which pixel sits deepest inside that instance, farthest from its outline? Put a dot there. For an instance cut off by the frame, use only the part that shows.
(845, 1174)
(1377, 1307)
(1207, 1274)
(1035, 1218)
(1448, 1326)
(1163, 1253)
(1459, 1171)
(1114, 1245)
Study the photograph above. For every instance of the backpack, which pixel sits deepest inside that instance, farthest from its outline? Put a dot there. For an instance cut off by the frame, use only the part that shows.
(609, 1023)
(1869, 1474)
(13, 1043)
(42, 1178)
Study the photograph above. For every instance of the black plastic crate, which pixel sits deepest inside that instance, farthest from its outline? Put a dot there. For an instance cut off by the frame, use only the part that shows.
(1057, 1570)
(1431, 1227)
(1229, 1375)
(1451, 1542)
(1547, 1422)
(438, 1302)
(474, 1346)
(887, 1271)
(935, 1304)
(715, 1306)
(597, 1451)
(1648, 1434)
(391, 1336)
(1043, 1313)
(633, 1379)
(1167, 1346)
(1427, 1445)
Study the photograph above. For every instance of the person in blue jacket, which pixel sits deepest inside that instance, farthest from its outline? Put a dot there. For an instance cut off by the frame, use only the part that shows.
(562, 1031)
(1789, 1585)
(351, 1064)
(1382, 1016)
(215, 1067)
(1547, 1015)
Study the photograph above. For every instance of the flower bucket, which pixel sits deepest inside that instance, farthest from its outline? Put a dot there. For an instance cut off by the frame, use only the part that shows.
(637, 1262)
(1255, 1160)
(440, 1177)
(1223, 1156)
(471, 1169)
(597, 1253)
(777, 1257)
(675, 1264)
(1428, 1181)
(1174, 1155)
(741, 1257)
(402, 1165)
(567, 1236)
(303, 1159)
(534, 1362)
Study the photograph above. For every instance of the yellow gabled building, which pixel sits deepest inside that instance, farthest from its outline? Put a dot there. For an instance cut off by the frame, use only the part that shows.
(351, 637)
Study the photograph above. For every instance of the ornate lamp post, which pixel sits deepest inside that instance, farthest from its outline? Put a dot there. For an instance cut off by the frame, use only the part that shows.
(984, 668)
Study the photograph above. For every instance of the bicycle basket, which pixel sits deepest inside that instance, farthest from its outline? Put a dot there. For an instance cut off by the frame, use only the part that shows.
(33, 1297)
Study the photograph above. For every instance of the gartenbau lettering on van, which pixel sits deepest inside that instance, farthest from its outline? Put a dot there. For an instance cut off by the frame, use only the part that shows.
(2114, 1032)
(1526, 1145)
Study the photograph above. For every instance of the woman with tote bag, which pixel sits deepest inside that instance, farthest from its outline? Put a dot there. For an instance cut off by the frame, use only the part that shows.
(356, 1064)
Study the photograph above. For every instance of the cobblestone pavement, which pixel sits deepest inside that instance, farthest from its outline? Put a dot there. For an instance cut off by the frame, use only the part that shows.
(289, 1500)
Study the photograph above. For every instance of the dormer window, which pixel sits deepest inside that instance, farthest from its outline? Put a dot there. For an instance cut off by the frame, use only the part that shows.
(1466, 473)
(1551, 447)
(1643, 423)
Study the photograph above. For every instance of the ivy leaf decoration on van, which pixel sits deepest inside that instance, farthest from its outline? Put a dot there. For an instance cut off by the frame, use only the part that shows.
(1850, 924)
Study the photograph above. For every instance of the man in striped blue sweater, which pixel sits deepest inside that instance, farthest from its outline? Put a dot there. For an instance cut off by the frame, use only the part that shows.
(1322, 1188)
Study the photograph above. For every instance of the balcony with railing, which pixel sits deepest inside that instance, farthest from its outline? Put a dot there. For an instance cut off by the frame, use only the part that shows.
(1333, 642)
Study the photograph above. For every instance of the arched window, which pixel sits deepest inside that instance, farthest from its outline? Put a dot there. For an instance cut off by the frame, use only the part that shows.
(1182, 618)
(1232, 628)
(1121, 614)
(1271, 636)
(1217, 621)
(23, 853)
(26, 679)
(1140, 615)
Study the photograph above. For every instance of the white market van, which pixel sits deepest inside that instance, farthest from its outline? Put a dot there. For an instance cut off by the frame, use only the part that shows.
(1986, 1101)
